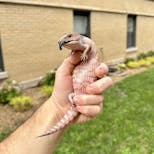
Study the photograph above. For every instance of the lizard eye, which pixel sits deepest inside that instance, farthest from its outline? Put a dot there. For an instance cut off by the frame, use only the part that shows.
(69, 35)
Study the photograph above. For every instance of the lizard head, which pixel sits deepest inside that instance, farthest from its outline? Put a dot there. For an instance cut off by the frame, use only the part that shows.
(70, 41)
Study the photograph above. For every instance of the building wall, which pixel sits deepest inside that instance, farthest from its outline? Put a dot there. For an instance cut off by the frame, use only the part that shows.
(29, 32)
(29, 37)
(145, 33)
(109, 32)
(138, 6)
(142, 6)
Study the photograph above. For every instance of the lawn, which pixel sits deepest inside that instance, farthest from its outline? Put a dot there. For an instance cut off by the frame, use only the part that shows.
(125, 127)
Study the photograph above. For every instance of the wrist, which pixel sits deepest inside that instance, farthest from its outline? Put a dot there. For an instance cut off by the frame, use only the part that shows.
(52, 111)
(60, 104)
(56, 111)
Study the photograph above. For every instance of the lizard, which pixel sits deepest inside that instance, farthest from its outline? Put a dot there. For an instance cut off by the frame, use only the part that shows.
(83, 74)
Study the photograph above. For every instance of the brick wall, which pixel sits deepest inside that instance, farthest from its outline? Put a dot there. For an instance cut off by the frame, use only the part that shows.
(29, 38)
(30, 33)
(109, 31)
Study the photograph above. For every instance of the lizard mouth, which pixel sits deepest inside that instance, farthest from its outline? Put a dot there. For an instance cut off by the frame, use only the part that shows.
(61, 43)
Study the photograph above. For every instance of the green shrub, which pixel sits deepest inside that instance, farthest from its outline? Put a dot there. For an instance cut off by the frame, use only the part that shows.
(129, 60)
(133, 64)
(121, 66)
(47, 90)
(142, 56)
(143, 59)
(150, 59)
(48, 79)
(8, 90)
(150, 53)
(21, 103)
(145, 55)
(144, 62)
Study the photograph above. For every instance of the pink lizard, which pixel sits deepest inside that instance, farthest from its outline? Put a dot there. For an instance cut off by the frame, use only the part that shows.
(83, 73)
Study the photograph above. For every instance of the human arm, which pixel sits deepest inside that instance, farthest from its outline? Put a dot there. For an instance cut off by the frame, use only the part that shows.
(24, 140)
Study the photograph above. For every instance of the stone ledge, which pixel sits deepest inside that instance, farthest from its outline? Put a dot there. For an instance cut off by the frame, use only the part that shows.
(115, 61)
(133, 49)
(3, 75)
(30, 83)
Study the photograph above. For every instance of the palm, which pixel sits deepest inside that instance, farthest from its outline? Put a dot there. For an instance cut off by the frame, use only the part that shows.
(63, 87)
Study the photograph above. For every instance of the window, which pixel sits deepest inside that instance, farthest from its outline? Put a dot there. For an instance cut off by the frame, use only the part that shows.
(1, 59)
(131, 31)
(82, 22)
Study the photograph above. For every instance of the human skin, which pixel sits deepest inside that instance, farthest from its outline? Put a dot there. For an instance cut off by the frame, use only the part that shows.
(24, 140)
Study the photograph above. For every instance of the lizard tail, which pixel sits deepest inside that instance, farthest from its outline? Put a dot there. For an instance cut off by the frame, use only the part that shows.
(69, 116)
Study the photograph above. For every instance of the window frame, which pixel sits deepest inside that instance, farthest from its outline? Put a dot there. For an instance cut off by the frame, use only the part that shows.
(83, 13)
(131, 44)
(1, 57)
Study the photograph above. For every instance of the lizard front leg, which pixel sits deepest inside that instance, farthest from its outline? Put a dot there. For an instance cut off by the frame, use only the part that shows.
(84, 56)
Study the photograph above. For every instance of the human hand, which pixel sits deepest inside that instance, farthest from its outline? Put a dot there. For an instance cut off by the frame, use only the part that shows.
(88, 105)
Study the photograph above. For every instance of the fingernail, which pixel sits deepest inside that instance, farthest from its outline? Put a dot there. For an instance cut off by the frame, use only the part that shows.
(78, 108)
(76, 100)
(101, 69)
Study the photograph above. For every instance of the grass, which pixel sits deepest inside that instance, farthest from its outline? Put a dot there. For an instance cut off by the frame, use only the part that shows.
(125, 127)
(4, 134)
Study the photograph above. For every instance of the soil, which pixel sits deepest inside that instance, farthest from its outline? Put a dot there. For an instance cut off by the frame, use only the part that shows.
(10, 119)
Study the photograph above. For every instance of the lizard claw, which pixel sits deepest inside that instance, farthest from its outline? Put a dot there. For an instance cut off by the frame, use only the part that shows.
(71, 53)
(84, 57)
(70, 98)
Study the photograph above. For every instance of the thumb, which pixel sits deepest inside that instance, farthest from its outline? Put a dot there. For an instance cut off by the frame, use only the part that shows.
(68, 65)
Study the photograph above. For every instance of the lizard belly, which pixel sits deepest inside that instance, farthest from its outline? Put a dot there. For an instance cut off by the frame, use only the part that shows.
(83, 75)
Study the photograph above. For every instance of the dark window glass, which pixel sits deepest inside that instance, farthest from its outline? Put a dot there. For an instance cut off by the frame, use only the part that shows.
(131, 31)
(82, 22)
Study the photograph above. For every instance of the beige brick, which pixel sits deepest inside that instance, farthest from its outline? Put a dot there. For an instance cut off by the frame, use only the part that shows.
(145, 33)
(109, 32)
(29, 38)
(29, 32)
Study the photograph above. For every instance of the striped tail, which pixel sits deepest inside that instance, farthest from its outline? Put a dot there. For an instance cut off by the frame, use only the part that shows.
(69, 116)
